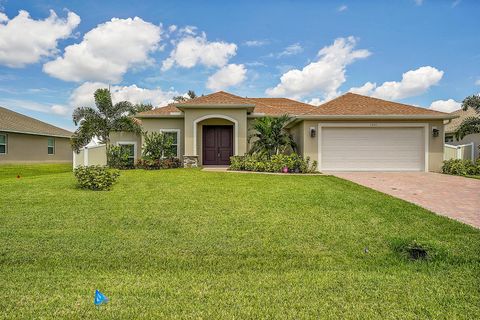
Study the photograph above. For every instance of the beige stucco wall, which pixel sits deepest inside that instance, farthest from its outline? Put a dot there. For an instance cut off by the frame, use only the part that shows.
(475, 138)
(25, 148)
(191, 115)
(310, 145)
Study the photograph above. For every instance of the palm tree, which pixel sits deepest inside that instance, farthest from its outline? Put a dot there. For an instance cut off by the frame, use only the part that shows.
(471, 124)
(190, 95)
(271, 137)
(101, 121)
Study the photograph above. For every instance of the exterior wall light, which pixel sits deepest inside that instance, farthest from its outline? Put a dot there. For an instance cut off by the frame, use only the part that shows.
(313, 132)
(435, 132)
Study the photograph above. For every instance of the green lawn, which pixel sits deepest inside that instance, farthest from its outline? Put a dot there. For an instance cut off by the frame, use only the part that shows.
(189, 244)
(11, 171)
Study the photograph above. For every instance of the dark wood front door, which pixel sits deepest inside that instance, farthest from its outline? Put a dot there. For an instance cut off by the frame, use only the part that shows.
(217, 145)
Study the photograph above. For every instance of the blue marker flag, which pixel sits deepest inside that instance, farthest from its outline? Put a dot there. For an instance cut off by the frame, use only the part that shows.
(99, 298)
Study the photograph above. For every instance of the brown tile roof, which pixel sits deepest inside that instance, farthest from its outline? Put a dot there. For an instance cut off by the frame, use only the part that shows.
(159, 111)
(11, 121)
(268, 106)
(355, 104)
(220, 97)
(349, 104)
(286, 105)
(453, 125)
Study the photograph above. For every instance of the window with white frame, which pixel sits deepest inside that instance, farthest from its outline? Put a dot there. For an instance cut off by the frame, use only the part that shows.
(51, 146)
(3, 143)
(175, 134)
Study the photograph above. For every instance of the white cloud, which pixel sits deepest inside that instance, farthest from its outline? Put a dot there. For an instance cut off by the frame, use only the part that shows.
(83, 95)
(477, 82)
(59, 109)
(365, 90)
(342, 8)
(413, 83)
(24, 40)
(189, 30)
(255, 43)
(34, 106)
(418, 2)
(322, 77)
(227, 76)
(291, 50)
(456, 3)
(172, 28)
(107, 51)
(449, 105)
(193, 50)
(315, 102)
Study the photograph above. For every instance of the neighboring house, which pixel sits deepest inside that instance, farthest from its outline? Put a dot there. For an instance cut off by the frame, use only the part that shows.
(471, 139)
(24, 139)
(351, 132)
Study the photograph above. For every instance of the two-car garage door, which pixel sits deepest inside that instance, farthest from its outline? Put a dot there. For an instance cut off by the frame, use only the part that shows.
(372, 148)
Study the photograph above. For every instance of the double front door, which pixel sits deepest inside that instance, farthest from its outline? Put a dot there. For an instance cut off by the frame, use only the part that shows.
(217, 145)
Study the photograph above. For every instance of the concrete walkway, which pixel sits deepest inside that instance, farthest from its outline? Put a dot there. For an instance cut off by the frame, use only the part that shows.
(451, 196)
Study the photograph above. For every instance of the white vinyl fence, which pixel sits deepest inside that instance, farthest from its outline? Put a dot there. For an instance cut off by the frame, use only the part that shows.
(463, 151)
(91, 156)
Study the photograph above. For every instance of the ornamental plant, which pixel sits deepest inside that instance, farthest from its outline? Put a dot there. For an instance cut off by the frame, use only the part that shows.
(96, 178)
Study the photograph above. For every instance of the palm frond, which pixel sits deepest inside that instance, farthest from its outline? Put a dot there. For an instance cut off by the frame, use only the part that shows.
(468, 126)
(103, 101)
(82, 113)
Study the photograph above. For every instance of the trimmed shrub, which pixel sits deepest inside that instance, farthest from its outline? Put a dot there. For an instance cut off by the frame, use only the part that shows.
(461, 167)
(158, 145)
(166, 163)
(292, 163)
(96, 178)
(118, 157)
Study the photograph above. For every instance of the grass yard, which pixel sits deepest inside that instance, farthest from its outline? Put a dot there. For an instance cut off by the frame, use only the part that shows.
(191, 244)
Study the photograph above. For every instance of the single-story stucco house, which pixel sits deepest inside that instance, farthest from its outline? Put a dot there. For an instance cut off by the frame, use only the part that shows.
(472, 139)
(349, 133)
(27, 140)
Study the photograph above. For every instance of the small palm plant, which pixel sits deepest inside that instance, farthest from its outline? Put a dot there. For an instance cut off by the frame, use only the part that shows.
(101, 121)
(271, 137)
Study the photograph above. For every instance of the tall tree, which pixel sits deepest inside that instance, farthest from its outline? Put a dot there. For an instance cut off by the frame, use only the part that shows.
(101, 121)
(190, 95)
(471, 124)
(270, 136)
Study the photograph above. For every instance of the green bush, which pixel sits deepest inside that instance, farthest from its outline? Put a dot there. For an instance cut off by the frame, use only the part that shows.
(118, 157)
(293, 163)
(461, 167)
(96, 177)
(166, 163)
(158, 145)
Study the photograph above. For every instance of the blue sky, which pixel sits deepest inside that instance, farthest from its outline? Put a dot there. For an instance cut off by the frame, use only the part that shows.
(425, 53)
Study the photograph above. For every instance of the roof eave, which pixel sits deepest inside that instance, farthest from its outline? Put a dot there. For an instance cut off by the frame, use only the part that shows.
(145, 116)
(378, 117)
(37, 133)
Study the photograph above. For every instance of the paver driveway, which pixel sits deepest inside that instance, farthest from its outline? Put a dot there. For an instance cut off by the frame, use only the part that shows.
(451, 196)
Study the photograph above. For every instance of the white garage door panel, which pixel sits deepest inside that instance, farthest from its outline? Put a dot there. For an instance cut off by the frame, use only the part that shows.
(369, 149)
